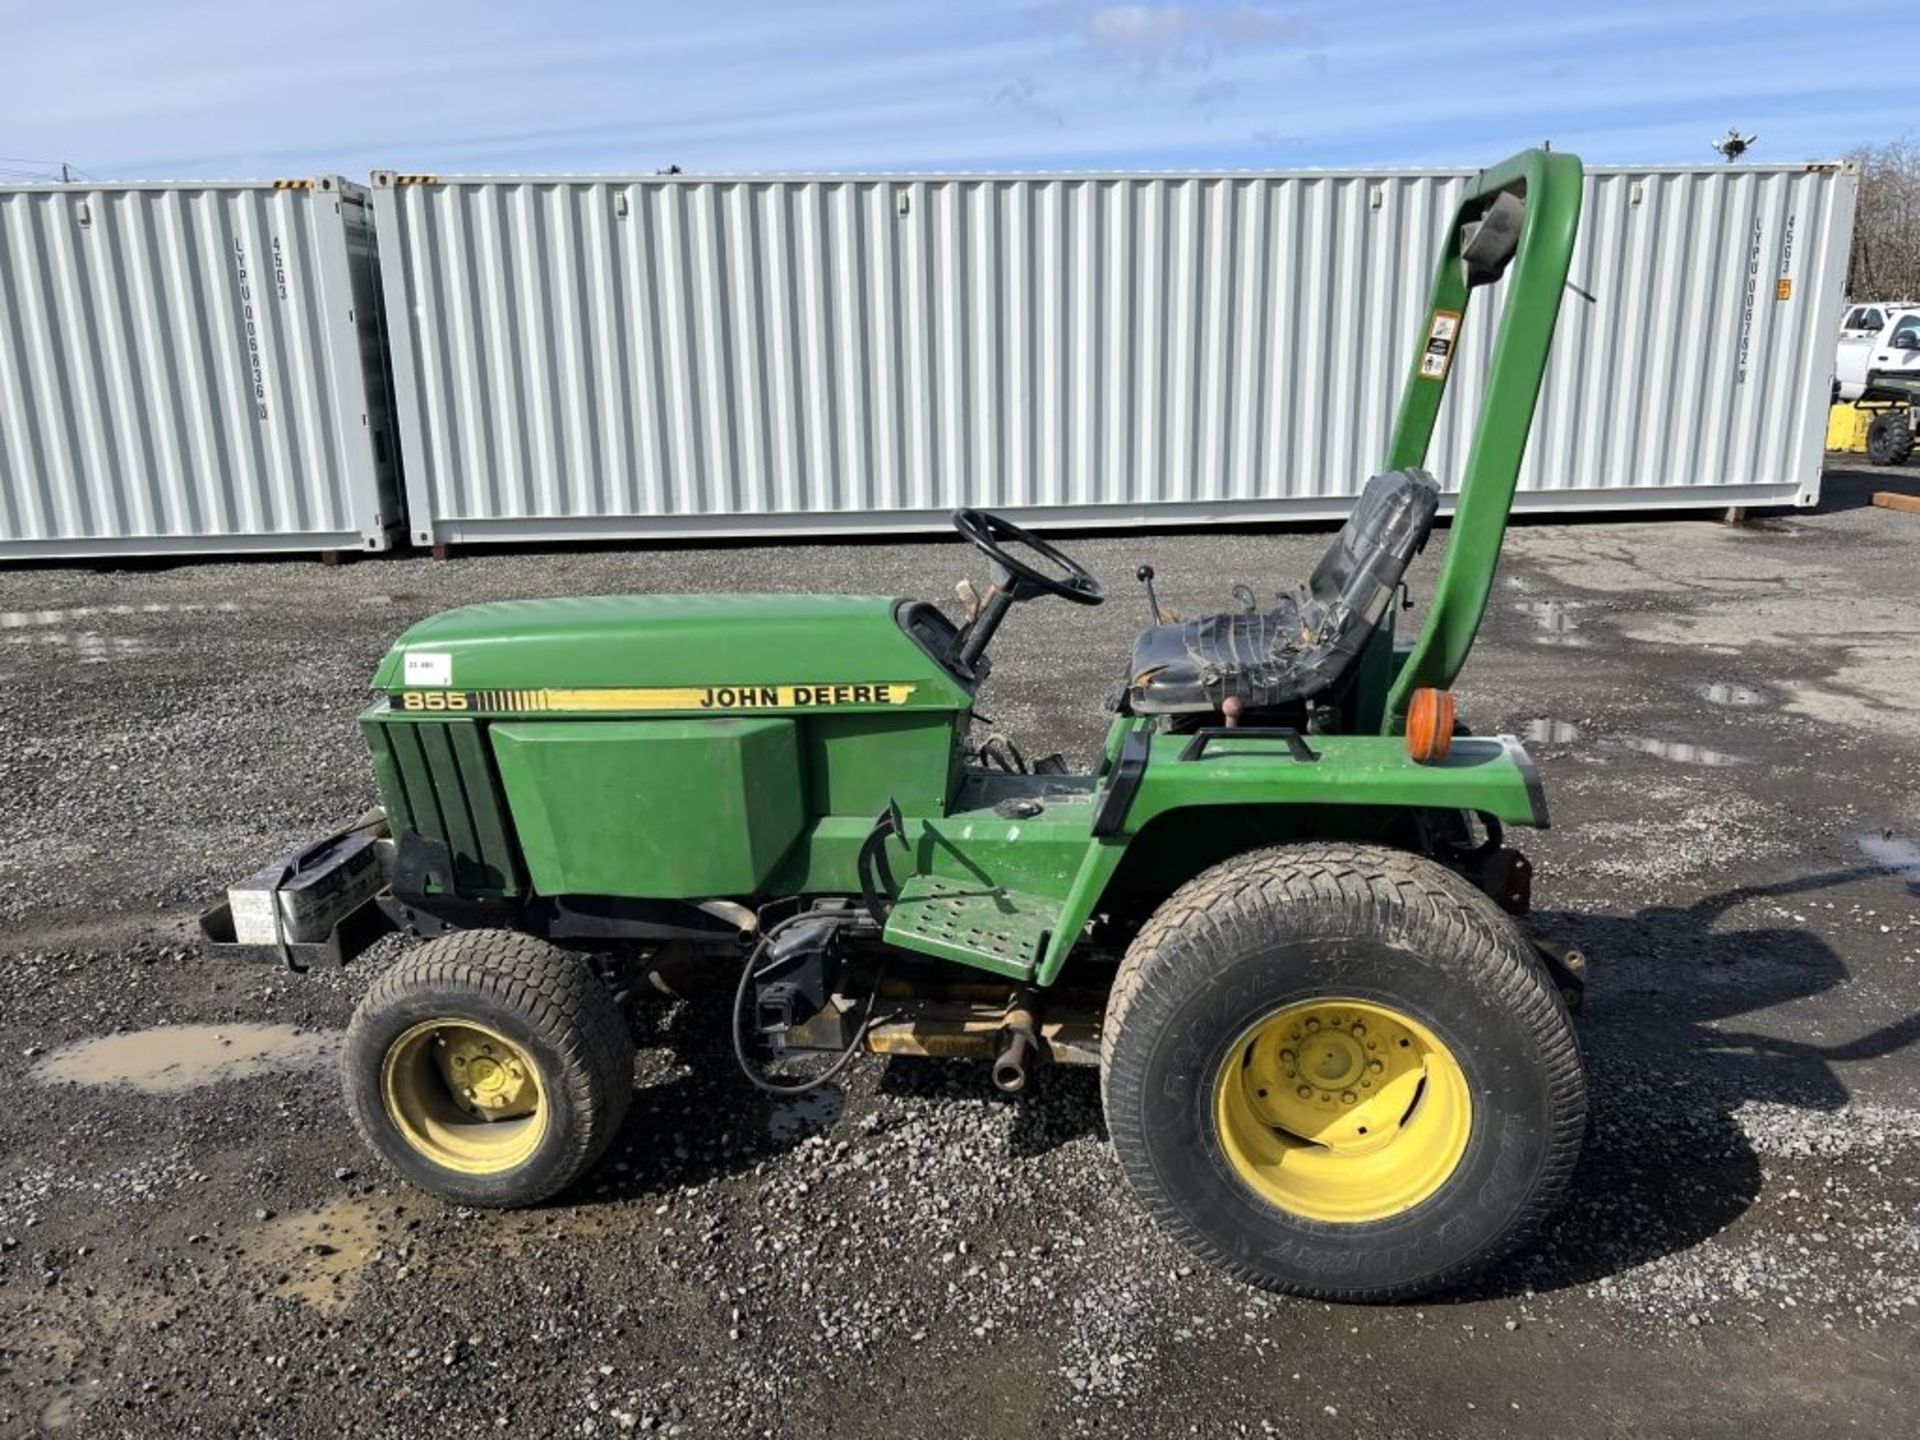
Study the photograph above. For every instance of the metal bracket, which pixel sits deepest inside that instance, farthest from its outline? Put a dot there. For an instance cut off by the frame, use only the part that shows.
(1129, 769)
(878, 888)
(1297, 746)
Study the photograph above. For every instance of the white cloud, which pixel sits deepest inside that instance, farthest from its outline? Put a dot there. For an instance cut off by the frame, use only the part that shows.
(1179, 34)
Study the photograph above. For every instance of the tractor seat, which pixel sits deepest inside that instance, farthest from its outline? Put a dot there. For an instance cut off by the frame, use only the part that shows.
(1310, 640)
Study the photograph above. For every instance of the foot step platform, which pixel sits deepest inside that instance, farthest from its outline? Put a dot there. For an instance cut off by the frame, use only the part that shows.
(973, 923)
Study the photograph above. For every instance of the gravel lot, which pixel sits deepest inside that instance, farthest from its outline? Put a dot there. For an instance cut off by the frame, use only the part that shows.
(1725, 720)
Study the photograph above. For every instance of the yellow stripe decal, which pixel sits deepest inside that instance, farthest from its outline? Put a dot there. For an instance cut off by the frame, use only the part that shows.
(721, 697)
(691, 698)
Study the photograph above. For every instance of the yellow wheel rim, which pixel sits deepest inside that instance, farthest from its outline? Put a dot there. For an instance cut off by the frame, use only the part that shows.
(1342, 1111)
(464, 1096)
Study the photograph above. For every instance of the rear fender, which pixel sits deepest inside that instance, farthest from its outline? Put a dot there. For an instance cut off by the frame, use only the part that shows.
(1348, 774)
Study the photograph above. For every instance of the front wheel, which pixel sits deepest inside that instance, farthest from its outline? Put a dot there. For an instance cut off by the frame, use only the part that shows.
(1338, 1071)
(488, 1067)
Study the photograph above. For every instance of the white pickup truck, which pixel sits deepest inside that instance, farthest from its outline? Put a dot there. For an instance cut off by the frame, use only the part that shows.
(1893, 351)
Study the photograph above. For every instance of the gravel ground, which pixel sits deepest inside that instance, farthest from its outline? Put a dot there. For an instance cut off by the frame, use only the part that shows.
(1725, 723)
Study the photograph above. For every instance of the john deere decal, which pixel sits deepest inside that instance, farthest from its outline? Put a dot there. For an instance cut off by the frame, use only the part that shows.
(687, 698)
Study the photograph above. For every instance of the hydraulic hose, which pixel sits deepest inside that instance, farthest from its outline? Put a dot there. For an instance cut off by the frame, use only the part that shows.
(758, 1078)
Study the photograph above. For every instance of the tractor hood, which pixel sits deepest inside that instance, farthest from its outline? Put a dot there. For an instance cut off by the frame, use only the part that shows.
(624, 653)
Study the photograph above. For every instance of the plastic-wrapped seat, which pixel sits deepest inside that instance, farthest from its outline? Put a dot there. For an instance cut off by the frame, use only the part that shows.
(1310, 640)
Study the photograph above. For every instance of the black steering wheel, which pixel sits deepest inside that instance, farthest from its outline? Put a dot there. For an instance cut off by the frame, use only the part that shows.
(1021, 581)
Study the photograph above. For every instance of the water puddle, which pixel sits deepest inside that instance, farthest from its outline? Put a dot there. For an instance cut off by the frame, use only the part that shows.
(319, 1256)
(90, 647)
(1893, 853)
(171, 1058)
(28, 619)
(1559, 619)
(1549, 732)
(792, 1117)
(1738, 697)
(1677, 751)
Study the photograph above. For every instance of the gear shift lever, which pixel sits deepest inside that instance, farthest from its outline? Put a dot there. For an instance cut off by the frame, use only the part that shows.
(1145, 576)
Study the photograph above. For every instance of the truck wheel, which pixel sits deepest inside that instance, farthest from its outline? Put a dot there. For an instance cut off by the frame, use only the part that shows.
(488, 1067)
(1890, 438)
(1338, 1071)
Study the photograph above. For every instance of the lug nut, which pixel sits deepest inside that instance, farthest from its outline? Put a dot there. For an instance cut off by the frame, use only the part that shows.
(1359, 1030)
(1313, 1025)
(1347, 1097)
(1376, 1066)
(1286, 1057)
(1305, 1092)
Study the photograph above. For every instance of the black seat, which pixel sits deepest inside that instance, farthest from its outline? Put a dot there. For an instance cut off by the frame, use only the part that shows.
(1308, 642)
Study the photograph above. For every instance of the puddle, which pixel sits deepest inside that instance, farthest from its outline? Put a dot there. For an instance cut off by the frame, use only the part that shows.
(27, 619)
(170, 1058)
(1676, 750)
(1560, 619)
(90, 646)
(1738, 697)
(319, 1256)
(1549, 732)
(1893, 853)
(791, 1117)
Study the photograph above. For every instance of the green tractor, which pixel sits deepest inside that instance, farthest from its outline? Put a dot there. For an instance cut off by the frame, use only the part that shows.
(1279, 914)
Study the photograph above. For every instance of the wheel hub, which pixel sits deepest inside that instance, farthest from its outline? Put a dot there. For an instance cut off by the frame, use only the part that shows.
(464, 1096)
(483, 1078)
(1342, 1110)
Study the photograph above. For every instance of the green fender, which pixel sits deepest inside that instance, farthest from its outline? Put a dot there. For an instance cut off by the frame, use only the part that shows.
(1491, 776)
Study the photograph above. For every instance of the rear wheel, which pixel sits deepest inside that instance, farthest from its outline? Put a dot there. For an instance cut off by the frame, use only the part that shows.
(1338, 1071)
(1890, 438)
(488, 1067)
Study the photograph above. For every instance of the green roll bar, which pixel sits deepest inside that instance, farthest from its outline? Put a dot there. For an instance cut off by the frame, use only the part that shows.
(1550, 187)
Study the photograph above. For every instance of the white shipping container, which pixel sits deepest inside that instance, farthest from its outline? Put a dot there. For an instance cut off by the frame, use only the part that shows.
(191, 368)
(598, 357)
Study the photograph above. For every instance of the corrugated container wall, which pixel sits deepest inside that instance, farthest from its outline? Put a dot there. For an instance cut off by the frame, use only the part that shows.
(598, 357)
(191, 368)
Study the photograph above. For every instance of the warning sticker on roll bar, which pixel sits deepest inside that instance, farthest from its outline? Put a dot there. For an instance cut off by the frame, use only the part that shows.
(1441, 335)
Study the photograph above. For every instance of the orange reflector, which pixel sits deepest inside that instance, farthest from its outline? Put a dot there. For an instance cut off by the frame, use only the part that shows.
(1429, 725)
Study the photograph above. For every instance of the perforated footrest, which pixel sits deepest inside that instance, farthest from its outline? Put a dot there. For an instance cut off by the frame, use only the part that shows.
(973, 923)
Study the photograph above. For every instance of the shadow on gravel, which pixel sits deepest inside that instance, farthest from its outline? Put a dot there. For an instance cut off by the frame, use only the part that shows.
(1667, 1164)
(1854, 486)
(707, 1122)
(1062, 1105)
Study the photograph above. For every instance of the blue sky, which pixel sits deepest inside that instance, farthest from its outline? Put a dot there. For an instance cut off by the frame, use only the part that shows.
(151, 88)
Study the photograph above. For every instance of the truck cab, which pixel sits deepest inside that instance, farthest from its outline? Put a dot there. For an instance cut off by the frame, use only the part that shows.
(1891, 350)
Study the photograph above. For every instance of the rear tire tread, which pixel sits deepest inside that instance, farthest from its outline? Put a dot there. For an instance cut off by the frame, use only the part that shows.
(1345, 877)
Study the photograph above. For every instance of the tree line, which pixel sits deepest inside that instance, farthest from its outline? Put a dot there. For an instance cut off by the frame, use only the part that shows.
(1885, 264)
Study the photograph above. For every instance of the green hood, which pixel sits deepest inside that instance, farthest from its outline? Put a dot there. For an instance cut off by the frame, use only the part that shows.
(656, 642)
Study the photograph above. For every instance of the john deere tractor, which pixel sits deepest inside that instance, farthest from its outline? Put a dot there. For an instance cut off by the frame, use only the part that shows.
(1279, 914)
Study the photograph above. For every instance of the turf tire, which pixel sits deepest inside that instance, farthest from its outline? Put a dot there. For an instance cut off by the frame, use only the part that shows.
(547, 1002)
(1278, 926)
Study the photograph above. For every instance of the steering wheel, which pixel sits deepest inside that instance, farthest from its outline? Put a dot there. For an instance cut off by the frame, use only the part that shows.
(1019, 580)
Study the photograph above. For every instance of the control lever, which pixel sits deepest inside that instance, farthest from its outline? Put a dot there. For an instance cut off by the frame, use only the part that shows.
(1145, 576)
(969, 599)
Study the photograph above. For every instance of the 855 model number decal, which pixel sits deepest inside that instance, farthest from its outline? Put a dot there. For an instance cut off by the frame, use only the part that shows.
(693, 698)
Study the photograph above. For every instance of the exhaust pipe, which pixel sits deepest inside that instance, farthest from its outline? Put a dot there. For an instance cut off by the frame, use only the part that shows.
(735, 914)
(1019, 1051)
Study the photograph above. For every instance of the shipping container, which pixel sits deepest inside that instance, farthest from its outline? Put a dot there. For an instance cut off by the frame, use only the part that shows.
(192, 368)
(596, 357)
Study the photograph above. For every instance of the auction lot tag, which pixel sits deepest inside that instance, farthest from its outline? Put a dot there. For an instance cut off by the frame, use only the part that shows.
(429, 667)
(1440, 344)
